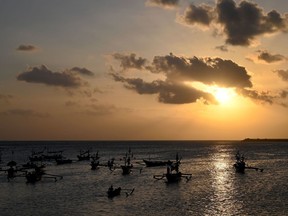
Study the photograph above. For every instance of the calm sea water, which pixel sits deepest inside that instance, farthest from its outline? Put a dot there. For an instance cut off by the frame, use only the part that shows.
(215, 188)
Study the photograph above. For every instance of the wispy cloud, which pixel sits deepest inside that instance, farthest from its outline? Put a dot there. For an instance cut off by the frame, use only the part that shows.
(168, 4)
(26, 47)
(269, 57)
(82, 71)
(24, 113)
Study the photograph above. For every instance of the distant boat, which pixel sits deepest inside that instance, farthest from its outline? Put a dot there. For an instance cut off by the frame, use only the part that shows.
(154, 163)
(84, 155)
(240, 165)
(113, 192)
(63, 161)
(127, 167)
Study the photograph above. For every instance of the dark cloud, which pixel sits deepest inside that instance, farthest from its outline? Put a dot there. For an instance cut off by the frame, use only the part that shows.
(241, 23)
(130, 61)
(168, 92)
(198, 15)
(283, 74)
(244, 22)
(24, 113)
(26, 48)
(270, 58)
(164, 3)
(209, 71)
(222, 48)
(82, 71)
(45, 76)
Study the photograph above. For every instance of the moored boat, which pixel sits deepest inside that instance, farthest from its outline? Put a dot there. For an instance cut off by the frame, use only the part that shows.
(153, 163)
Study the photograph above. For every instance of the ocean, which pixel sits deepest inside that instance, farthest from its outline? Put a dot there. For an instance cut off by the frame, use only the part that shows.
(214, 189)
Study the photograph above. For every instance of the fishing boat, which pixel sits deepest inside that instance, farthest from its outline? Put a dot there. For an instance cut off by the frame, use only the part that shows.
(154, 163)
(94, 164)
(84, 155)
(63, 161)
(127, 167)
(240, 164)
(116, 192)
(172, 172)
(113, 192)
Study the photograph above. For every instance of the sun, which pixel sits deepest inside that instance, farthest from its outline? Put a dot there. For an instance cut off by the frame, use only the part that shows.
(223, 95)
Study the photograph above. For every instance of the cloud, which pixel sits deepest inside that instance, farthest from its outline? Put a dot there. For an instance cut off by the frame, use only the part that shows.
(178, 70)
(283, 74)
(179, 73)
(270, 58)
(198, 15)
(24, 113)
(43, 75)
(241, 23)
(130, 61)
(260, 96)
(169, 4)
(82, 71)
(168, 92)
(26, 48)
(209, 71)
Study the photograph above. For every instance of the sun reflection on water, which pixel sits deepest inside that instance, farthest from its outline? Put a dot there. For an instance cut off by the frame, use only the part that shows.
(224, 197)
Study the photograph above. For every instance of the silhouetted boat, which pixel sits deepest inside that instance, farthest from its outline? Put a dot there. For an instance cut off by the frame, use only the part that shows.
(113, 192)
(172, 173)
(153, 163)
(126, 168)
(240, 164)
(63, 161)
(84, 155)
(94, 164)
(116, 192)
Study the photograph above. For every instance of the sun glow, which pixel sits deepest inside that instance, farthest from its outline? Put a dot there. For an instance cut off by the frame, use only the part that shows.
(223, 96)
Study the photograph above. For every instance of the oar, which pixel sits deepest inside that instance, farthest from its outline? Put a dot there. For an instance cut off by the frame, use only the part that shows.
(131, 191)
(61, 177)
(255, 168)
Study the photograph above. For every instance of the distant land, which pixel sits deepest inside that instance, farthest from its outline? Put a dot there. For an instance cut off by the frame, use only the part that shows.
(264, 140)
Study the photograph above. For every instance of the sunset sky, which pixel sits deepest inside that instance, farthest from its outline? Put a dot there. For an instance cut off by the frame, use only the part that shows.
(143, 69)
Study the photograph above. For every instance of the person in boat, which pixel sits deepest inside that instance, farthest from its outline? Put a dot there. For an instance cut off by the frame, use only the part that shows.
(169, 167)
(11, 173)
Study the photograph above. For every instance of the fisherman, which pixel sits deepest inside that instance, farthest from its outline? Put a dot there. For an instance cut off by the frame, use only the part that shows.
(110, 190)
(169, 168)
(10, 174)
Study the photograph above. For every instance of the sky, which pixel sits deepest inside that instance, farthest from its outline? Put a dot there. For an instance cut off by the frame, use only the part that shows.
(143, 69)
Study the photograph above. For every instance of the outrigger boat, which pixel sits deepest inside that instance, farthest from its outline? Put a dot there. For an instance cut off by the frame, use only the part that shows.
(240, 164)
(173, 174)
(116, 192)
(37, 174)
(63, 161)
(127, 167)
(154, 163)
(84, 155)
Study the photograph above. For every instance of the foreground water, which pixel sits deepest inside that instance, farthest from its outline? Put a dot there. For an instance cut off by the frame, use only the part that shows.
(215, 188)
